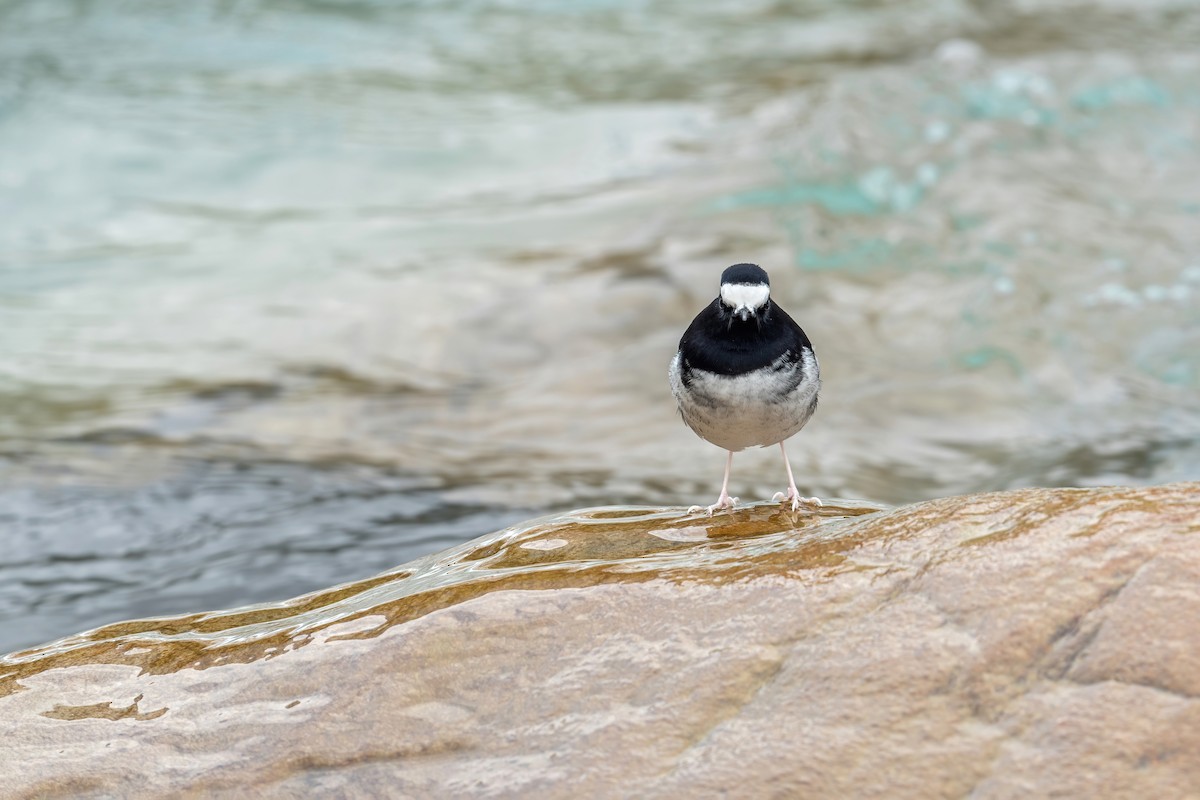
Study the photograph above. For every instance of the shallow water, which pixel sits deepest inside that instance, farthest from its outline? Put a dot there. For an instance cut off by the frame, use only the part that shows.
(293, 292)
(559, 550)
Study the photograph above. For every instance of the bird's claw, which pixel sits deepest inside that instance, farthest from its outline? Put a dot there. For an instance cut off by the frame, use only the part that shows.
(722, 502)
(796, 499)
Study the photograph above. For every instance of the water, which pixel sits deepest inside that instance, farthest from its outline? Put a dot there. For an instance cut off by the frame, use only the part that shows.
(556, 551)
(293, 292)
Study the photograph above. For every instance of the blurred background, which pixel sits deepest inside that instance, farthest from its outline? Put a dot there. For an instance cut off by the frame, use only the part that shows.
(294, 291)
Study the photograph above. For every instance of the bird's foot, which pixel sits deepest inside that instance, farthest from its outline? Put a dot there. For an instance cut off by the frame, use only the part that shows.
(724, 501)
(796, 499)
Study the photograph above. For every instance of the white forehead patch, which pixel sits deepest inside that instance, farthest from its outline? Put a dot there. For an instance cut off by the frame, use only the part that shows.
(745, 295)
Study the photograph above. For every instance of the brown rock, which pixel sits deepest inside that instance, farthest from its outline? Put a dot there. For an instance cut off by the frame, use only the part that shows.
(1030, 643)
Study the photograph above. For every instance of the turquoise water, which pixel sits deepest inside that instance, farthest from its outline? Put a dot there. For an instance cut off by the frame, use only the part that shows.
(291, 292)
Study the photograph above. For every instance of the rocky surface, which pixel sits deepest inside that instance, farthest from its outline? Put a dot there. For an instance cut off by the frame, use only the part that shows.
(1028, 643)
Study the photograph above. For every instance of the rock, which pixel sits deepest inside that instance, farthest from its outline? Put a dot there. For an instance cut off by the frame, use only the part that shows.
(1027, 643)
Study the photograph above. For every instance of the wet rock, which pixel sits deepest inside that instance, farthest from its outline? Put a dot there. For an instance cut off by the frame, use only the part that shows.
(1028, 643)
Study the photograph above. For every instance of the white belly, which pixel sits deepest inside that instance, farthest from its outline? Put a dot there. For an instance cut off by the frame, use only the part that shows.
(758, 409)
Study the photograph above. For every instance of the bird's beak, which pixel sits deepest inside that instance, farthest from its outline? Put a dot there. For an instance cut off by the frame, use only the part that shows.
(743, 313)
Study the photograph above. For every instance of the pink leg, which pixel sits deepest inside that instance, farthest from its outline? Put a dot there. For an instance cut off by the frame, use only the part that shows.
(793, 493)
(724, 501)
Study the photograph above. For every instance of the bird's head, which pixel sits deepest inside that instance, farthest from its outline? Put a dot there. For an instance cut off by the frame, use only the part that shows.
(745, 292)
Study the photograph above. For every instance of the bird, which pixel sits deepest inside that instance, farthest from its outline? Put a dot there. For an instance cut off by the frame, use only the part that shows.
(746, 375)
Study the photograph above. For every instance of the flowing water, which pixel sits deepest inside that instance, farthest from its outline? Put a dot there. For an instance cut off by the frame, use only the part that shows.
(295, 291)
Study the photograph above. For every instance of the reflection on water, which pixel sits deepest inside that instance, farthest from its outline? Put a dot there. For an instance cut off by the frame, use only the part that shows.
(291, 292)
